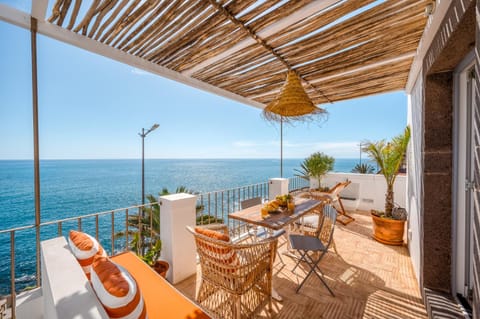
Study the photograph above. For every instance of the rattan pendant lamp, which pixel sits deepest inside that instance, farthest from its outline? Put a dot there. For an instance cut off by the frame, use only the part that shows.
(292, 104)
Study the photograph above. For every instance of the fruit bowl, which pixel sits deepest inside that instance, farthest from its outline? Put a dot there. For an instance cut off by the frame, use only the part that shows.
(272, 207)
(283, 200)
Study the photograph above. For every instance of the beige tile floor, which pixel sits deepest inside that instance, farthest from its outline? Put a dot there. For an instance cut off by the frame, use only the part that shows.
(369, 279)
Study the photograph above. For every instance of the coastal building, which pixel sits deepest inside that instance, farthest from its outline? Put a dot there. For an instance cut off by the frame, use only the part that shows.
(341, 50)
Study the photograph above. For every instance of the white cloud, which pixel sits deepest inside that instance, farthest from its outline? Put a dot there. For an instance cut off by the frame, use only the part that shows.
(138, 71)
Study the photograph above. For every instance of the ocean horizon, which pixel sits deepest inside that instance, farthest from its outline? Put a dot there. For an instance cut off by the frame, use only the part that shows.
(75, 187)
(72, 188)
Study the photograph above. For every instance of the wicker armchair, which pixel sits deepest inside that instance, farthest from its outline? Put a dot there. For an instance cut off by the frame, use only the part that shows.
(236, 279)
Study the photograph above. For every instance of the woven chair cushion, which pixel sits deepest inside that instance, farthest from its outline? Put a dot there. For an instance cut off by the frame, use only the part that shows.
(84, 247)
(224, 255)
(212, 234)
(117, 290)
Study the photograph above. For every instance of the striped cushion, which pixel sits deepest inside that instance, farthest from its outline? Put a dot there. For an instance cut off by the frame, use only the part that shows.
(84, 247)
(117, 290)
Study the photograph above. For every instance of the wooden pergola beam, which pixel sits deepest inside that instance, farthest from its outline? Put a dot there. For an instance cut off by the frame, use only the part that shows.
(297, 16)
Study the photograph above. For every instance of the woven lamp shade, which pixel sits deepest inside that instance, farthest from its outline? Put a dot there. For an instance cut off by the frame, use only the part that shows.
(292, 103)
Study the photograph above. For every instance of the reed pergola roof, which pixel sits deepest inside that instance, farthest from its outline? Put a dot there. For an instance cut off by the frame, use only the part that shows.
(341, 49)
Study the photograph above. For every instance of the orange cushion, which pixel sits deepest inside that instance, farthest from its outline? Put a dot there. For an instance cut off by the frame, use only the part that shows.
(161, 298)
(212, 233)
(225, 255)
(84, 247)
(117, 290)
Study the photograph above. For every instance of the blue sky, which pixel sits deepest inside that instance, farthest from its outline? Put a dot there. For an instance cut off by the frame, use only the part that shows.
(93, 107)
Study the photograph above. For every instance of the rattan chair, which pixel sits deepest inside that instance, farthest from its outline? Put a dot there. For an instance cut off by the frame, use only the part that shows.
(315, 244)
(236, 279)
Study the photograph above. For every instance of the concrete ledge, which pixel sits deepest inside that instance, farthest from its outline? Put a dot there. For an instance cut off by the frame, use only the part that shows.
(29, 304)
(66, 290)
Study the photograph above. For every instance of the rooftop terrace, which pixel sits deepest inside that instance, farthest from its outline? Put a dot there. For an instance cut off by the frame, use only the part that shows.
(369, 279)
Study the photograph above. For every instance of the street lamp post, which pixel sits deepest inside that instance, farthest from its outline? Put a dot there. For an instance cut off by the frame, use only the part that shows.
(142, 135)
(360, 153)
(141, 211)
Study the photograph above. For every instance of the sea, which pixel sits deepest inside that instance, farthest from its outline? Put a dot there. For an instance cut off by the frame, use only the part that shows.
(77, 187)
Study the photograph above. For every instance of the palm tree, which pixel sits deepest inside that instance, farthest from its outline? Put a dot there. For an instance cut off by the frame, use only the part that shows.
(389, 158)
(364, 168)
(315, 166)
(148, 242)
(149, 222)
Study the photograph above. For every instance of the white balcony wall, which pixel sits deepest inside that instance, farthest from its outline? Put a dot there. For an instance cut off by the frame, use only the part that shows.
(367, 191)
(415, 177)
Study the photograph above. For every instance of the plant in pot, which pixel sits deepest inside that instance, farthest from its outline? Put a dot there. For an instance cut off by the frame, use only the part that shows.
(314, 167)
(389, 225)
(152, 254)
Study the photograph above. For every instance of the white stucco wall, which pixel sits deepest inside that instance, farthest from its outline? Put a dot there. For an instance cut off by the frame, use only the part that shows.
(415, 169)
(368, 190)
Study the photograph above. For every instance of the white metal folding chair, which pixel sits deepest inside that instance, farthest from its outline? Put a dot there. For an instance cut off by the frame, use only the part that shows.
(261, 233)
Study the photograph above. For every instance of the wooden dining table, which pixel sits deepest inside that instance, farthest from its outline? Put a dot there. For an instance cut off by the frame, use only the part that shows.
(278, 220)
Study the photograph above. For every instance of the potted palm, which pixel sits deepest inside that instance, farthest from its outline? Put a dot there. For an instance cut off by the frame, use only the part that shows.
(314, 167)
(388, 226)
(149, 246)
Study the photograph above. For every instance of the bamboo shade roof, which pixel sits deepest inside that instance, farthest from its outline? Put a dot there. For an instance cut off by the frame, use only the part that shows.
(340, 49)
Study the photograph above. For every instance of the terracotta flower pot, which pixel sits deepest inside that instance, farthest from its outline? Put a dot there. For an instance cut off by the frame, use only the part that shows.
(388, 231)
(161, 267)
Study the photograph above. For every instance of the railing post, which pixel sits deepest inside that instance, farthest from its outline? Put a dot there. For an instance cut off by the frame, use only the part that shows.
(12, 272)
(216, 205)
(96, 227)
(178, 246)
(113, 234)
(126, 229)
(277, 186)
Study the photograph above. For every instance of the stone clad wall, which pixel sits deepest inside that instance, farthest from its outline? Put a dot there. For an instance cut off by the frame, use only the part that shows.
(453, 41)
(437, 180)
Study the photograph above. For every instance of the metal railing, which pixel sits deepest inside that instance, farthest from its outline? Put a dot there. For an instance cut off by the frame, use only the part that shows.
(297, 183)
(113, 230)
(215, 206)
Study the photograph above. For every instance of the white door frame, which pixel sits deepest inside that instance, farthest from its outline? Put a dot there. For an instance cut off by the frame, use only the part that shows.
(462, 175)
